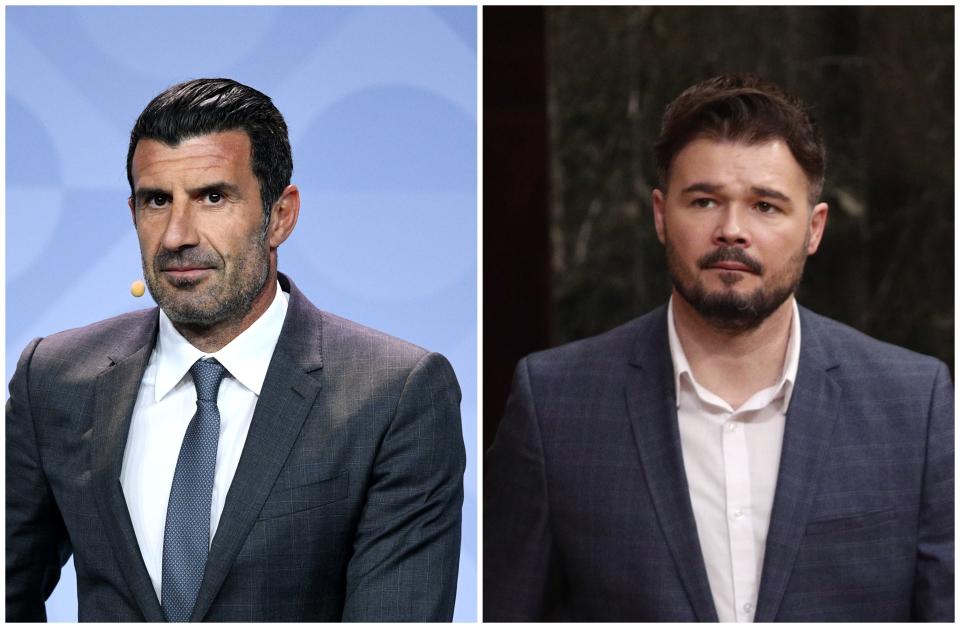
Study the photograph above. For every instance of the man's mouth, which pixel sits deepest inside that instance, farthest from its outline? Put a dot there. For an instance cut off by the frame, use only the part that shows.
(731, 266)
(185, 274)
(734, 261)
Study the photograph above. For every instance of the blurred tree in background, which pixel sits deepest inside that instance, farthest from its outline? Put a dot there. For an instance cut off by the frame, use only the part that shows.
(880, 80)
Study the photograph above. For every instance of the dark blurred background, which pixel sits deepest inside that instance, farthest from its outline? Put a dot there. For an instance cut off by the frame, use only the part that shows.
(572, 99)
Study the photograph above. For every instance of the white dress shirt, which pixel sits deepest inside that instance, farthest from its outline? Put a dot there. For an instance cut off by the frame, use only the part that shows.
(166, 402)
(732, 458)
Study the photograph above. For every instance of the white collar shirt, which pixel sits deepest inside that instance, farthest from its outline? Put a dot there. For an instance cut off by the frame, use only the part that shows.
(166, 402)
(731, 459)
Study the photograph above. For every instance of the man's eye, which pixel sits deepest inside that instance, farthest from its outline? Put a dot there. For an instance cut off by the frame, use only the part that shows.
(704, 202)
(766, 208)
(214, 197)
(157, 200)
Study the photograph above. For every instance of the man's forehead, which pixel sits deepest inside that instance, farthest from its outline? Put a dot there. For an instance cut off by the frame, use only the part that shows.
(722, 162)
(222, 150)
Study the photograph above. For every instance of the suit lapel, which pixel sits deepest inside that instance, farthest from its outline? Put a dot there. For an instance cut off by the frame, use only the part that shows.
(116, 393)
(651, 403)
(286, 399)
(809, 425)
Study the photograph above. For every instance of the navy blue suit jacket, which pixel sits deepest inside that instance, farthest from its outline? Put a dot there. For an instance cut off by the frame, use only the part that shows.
(587, 512)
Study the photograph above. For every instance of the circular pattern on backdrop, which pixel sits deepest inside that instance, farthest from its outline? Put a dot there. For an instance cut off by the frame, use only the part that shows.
(34, 194)
(393, 162)
(159, 42)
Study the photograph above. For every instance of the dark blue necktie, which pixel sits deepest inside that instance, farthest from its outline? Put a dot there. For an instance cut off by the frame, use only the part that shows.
(186, 537)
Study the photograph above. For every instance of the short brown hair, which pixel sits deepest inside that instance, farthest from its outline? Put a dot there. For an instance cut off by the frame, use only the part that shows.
(741, 107)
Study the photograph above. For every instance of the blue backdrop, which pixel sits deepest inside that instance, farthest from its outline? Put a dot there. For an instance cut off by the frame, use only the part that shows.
(381, 107)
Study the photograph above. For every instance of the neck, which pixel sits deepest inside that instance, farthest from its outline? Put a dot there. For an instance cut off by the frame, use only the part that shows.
(211, 339)
(733, 365)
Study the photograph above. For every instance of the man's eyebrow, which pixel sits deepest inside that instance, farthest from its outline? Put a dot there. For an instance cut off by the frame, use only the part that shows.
(702, 186)
(770, 193)
(220, 186)
(713, 188)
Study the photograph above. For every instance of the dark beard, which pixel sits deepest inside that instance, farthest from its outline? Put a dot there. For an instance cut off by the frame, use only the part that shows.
(730, 311)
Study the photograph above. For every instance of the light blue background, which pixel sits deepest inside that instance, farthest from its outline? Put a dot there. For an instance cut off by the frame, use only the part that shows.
(381, 107)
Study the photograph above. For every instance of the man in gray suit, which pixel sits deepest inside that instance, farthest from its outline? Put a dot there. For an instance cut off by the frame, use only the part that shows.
(235, 454)
(729, 456)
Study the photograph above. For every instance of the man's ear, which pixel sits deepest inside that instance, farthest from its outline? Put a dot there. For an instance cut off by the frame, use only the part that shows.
(818, 221)
(283, 216)
(133, 211)
(659, 203)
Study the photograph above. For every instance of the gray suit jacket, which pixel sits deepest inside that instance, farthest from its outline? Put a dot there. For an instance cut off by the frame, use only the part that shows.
(587, 511)
(345, 504)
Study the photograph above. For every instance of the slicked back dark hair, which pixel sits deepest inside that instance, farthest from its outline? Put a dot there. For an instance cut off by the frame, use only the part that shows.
(741, 108)
(204, 106)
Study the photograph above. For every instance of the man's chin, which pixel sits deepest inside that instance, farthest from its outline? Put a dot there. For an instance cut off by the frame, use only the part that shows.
(183, 306)
(725, 281)
(189, 316)
(727, 307)
(735, 296)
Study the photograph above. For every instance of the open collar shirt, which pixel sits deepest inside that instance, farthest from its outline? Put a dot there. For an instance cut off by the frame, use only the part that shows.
(731, 458)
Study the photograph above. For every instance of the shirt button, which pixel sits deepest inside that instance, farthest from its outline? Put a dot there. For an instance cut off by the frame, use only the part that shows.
(748, 608)
(731, 426)
(737, 516)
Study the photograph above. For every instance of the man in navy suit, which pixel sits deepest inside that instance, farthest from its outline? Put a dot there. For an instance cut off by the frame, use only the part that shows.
(729, 456)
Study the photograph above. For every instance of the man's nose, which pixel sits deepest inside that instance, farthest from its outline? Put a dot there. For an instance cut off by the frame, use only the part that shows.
(731, 228)
(180, 230)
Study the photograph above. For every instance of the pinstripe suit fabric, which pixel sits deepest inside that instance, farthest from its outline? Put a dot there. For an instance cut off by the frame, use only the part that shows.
(345, 504)
(587, 511)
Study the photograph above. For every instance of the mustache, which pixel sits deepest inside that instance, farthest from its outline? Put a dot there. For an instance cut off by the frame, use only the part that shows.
(190, 258)
(731, 254)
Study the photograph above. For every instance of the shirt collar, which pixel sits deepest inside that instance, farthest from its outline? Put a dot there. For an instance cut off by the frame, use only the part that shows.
(246, 357)
(784, 386)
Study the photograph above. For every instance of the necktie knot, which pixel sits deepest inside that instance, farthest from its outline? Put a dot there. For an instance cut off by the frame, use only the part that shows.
(207, 375)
